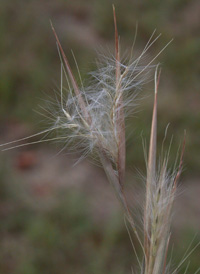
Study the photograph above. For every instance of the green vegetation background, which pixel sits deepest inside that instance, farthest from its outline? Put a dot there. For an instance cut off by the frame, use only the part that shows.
(66, 239)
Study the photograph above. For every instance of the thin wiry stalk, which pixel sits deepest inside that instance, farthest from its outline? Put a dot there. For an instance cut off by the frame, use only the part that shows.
(114, 180)
(118, 104)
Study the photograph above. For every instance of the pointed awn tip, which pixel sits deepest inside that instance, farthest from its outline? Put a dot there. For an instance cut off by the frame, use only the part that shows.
(157, 78)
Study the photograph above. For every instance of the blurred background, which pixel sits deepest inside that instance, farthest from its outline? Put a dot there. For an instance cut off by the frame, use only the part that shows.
(59, 218)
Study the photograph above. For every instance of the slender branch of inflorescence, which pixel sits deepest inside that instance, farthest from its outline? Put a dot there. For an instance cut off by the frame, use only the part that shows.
(160, 193)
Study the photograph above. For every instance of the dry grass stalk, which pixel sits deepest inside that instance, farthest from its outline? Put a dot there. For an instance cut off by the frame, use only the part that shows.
(115, 175)
(120, 123)
(96, 117)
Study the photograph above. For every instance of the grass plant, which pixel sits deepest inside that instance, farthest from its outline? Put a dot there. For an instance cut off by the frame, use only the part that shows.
(93, 119)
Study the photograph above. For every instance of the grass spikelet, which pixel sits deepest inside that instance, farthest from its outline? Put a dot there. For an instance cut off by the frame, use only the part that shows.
(161, 187)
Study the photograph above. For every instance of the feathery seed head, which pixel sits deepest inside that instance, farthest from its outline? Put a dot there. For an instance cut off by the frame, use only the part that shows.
(91, 114)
